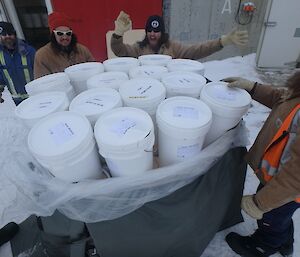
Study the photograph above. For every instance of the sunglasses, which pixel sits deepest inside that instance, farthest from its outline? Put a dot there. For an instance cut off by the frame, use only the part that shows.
(63, 33)
(154, 30)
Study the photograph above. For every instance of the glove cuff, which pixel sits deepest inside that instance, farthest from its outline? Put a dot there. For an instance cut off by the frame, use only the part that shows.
(225, 40)
(251, 92)
(250, 207)
(119, 33)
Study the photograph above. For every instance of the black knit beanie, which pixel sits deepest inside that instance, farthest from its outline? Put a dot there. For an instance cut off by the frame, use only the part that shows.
(155, 23)
(6, 28)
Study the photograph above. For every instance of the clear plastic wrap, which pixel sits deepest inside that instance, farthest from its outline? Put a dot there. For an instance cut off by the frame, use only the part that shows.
(26, 188)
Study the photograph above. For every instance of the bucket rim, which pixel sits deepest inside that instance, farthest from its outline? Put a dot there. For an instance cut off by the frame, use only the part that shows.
(167, 124)
(59, 97)
(85, 95)
(221, 104)
(128, 86)
(140, 142)
(70, 149)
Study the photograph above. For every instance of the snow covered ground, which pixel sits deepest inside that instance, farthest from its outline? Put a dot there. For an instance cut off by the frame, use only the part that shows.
(215, 70)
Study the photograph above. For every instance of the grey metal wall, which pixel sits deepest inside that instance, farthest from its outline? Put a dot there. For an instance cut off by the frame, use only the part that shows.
(191, 21)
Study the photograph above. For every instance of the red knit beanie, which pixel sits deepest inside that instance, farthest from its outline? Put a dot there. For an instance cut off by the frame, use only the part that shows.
(57, 19)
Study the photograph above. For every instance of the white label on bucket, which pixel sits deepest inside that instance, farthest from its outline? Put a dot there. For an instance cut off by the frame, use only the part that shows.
(123, 126)
(186, 112)
(228, 95)
(95, 101)
(61, 133)
(188, 151)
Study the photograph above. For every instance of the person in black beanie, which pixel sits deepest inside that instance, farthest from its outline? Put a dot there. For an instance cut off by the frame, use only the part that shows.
(157, 41)
(16, 63)
(8, 232)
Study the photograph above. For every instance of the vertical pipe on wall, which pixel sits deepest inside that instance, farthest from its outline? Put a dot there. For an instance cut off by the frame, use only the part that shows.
(49, 6)
(13, 17)
(2, 13)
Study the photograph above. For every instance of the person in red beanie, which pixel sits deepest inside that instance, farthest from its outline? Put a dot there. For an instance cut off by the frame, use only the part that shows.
(62, 51)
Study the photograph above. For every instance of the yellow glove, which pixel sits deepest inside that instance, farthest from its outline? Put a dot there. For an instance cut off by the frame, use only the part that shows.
(122, 24)
(248, 205)
(236, 37)
(239, 83)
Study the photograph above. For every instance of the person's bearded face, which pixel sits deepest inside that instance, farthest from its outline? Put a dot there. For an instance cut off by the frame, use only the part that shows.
(9, 41)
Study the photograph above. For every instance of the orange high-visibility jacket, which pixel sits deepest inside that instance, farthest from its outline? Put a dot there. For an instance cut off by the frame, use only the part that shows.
(272, 155)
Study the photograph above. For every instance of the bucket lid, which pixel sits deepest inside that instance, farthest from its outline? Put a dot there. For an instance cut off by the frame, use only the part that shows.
(112, 79)
(181, 81)
(152, 71)
(182, 112)
(59, 135)
(42, 104)
(124, 129)
(120, 64)
(83, 71)
(95, 101)
(47, 83)
(186, 65)
(142, 92)
(221, 96)
(154, 59)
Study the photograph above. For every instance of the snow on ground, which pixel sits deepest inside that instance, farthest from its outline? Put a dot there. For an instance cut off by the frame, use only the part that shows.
(216, 70)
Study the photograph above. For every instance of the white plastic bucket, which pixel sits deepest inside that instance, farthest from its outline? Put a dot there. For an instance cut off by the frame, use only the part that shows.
(120, 64)
(183, 123)
(183, 83)
(110, 79)
(40, 105)
(155, 59)
(125, 138)
(228, 106)
(94, 102)
(80, 73)
(52, 82)
(143, 93)
(63, 142)
(186, 65)
(147, 71)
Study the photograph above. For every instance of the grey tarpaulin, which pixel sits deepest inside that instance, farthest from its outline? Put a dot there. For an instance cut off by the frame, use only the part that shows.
(183, 223)
(180, 224)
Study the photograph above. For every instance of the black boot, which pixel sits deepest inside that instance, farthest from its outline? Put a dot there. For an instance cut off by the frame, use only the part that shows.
(248, 246)
(287, 249)
(8, 232)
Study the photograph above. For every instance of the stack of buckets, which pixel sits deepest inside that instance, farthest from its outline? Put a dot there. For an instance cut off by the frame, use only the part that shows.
(80, 73)
(68, 143)
(53, 82)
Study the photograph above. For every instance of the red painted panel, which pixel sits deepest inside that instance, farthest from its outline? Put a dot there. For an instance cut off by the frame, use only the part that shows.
(93, 18)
